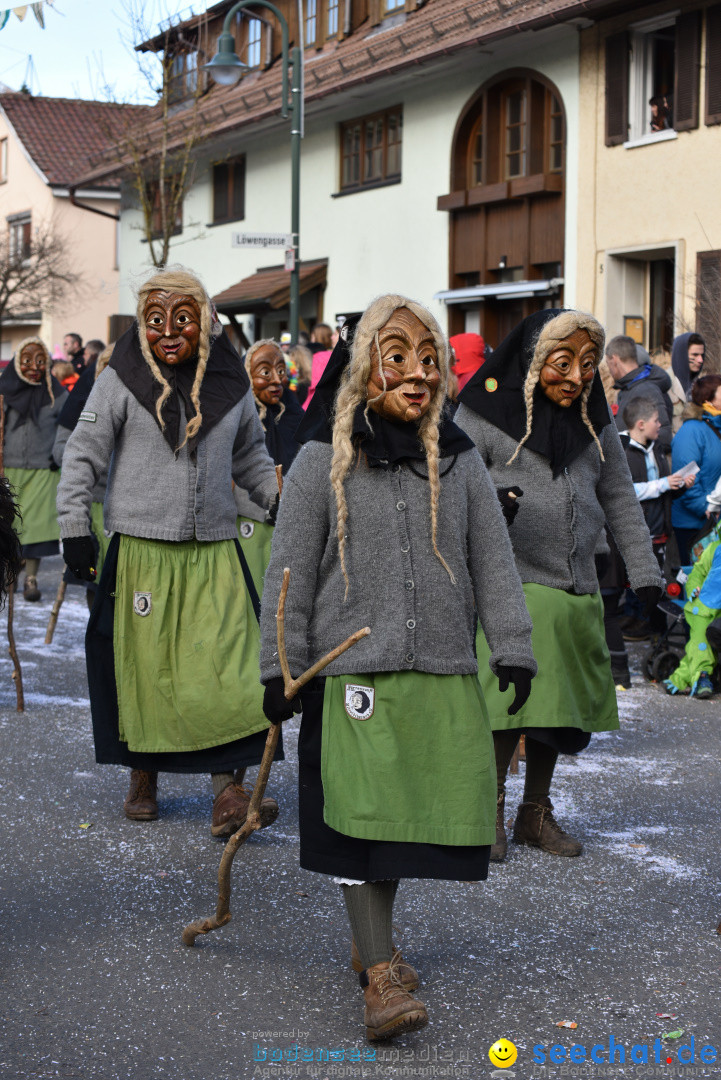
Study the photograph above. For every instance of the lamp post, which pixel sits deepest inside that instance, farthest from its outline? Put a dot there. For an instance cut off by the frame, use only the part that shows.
(226, 68)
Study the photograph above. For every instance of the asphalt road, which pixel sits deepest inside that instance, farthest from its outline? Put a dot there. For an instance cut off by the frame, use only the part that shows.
(96, 984)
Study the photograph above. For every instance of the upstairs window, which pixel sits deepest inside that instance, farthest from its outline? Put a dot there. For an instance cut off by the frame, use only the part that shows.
(229, 191)
(371, 150)
(332, 18)
(311, 21)
(3, 160)
(515, 129)
(254, 43)
(183, 78)
(20, 236)
(652, 79)
(390, 6)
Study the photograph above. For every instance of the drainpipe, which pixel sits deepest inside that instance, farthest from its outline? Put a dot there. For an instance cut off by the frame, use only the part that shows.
(90, 209)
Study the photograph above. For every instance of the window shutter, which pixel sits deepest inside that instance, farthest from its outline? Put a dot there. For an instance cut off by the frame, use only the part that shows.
(375, 12)
(688, 61)
(238, 206)
(713, 65)
(616, 89)
(220, 192)
(708, 304)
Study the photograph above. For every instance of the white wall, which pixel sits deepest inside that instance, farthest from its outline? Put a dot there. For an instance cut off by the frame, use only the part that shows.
(391, 239)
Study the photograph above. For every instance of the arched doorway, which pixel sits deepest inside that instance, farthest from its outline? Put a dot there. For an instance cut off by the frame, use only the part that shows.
(506, 205)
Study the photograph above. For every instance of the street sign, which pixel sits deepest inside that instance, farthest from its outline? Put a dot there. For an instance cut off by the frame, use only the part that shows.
(261, 240)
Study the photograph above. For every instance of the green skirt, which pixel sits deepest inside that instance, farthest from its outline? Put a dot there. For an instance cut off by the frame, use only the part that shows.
(36, 491)
(574, 686)
(186, 647)
(255, 539)
(408, 756)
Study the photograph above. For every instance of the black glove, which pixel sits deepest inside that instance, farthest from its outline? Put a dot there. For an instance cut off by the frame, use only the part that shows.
(521, 679)
(276, 706)
(509, 504)
(649, 595)
(79, 554)
(273, 511)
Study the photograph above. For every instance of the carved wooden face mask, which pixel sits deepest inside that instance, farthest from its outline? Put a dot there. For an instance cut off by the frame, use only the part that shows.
(409, 362)
(172, 326)
(569, 368)
(32, 363)
(267, 373)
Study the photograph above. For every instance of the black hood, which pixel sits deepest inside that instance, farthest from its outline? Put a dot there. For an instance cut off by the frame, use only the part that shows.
(496, 393)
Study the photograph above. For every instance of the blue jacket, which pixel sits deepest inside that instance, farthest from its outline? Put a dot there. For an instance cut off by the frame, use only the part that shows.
(695, 441)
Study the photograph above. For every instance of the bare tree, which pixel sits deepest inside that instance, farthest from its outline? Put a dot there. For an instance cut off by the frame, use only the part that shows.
(36, 272)
(158, 152)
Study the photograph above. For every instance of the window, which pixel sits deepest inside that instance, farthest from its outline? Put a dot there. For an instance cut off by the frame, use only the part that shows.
(183, 79)
(371, 150)
(229, 191)
(515, 129)
(651, 83)
(332, 18)
(390, 6)
(156, 215)
(19, 236)
(3, 160)
(254, 34)
(652, 79)
(311, 21)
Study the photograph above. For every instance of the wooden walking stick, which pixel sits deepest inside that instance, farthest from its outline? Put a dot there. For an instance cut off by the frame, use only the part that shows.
(17, 670)
(252, 822)
(55, 611)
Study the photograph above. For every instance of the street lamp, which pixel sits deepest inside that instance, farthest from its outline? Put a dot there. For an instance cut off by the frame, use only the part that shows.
(226, 68)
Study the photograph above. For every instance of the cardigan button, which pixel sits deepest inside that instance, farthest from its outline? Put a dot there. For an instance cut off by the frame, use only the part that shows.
(410, 658)
(405, 549)
(396, 468)
(411, 624)
(400, 505)
(409, 584)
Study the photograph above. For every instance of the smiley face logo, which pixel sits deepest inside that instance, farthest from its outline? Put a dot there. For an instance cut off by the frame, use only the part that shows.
(503, 1054)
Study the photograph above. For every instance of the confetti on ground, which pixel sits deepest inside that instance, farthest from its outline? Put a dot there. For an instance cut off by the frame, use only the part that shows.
(86, 825)
(566, 1023)
(673, 1034)
(667, 1016)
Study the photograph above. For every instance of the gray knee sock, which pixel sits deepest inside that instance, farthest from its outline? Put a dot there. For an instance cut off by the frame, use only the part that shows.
(370, 910)
(220, 782)
(31, 567)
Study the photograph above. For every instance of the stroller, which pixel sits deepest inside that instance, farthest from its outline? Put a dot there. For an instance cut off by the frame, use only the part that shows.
(665, 654)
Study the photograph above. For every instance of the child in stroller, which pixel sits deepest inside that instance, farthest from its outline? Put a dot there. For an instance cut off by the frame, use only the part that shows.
(702, 607)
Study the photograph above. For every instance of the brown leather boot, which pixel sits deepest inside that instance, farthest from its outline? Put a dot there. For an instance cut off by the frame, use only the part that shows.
(140, 804)
(30, 588)
(407, 974)
(499, 849)
(230, 809)
(536, 826)
(390, 1010)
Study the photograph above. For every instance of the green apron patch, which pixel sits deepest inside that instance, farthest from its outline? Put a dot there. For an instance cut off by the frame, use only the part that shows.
(408, 756)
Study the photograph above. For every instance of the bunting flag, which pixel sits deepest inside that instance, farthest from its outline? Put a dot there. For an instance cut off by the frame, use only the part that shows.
(21, 11)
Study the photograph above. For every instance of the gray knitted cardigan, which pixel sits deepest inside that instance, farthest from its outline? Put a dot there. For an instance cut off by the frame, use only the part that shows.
(30, 445)
(153, 493)
(558, 523)
(419, 619)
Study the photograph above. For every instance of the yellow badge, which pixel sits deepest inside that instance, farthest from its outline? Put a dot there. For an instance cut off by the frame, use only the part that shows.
(491, 385)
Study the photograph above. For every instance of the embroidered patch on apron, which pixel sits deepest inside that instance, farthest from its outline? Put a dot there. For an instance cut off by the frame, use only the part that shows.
(142, 603)
(91, 417)
(247, 528)
(359, 701)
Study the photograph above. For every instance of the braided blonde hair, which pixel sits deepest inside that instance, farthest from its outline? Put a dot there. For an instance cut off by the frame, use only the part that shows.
(353, 391)
(177, 279)
(551, 335)
(254, 348)
(48, 373)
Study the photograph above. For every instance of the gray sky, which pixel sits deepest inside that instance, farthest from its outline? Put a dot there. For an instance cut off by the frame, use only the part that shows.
(82, 48)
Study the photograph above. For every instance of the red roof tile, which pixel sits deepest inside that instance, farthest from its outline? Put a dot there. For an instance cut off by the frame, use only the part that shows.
(62, 134)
